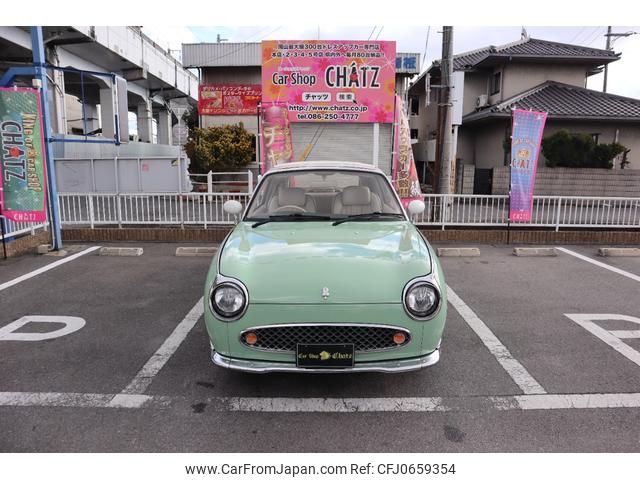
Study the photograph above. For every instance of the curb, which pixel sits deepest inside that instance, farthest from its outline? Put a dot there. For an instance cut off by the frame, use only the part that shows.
(196, 251)
(619, 252)
(120, 252)
(458, 252)
(535, 252)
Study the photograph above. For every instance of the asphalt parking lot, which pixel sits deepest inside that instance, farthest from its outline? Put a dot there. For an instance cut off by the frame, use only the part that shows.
(539, 354)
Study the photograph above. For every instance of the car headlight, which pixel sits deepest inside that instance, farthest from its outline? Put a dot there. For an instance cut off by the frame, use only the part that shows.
(421, 300)
(227, 300)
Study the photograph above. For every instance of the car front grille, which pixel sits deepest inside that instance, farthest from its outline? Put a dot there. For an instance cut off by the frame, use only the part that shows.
(284, 338)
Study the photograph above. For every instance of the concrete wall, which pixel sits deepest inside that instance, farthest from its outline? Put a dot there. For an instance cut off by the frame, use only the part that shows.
(465, 175)
(475, 84)
(488, 151)
(517, 78)
(594, 182)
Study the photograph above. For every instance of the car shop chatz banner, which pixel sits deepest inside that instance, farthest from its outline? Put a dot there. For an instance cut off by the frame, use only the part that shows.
(22, 165)
(330, 81)
(527, 128)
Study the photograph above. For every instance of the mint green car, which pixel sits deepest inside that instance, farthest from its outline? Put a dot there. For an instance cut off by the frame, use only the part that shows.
(325, 273)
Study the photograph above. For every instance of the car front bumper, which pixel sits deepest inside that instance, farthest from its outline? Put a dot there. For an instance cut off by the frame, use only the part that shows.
(387, 366)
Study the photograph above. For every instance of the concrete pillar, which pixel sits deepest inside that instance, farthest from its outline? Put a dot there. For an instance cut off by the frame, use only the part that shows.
(145, 122)
(92, 120)
(164, 127)
(59, 124)
(107, 113)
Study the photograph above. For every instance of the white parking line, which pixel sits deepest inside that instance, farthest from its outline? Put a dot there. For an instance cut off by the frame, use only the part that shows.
(516, 371)
(582, 401)
(158, 360)
(600, 264)
(46, 268)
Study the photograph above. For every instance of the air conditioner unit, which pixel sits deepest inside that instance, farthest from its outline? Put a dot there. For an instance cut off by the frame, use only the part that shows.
(482, 101)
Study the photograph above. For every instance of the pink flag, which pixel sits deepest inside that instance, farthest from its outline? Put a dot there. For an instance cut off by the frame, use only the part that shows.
(405, 175)
(275, 139)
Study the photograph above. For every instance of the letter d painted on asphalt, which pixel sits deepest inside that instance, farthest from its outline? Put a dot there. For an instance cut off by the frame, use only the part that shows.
(71, 324)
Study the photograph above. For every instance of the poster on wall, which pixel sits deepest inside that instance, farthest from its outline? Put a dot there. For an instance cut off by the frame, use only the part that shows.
(331, 81)
(228, 99)
(22, 165)
(527, 128)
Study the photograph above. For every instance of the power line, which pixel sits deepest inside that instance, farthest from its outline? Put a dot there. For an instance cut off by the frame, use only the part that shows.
(246, 45)
(595, 38)
(379, 32)
(426, 44)
(578, 34)
(374, 29)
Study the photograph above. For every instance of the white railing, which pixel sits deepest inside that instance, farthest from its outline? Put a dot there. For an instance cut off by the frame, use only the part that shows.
(218, 181)
(14, 229)
(548, 211)
(205, 209)
(93, 209)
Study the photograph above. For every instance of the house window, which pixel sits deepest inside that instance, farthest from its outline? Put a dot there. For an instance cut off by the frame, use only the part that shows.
(496, 80)
(414, 134)
(414, 105)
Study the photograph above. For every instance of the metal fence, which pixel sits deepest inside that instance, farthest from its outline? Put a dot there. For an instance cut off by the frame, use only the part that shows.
(14, 229)
(548, 211)
(222, 181)
(205, 209)
(93, 209)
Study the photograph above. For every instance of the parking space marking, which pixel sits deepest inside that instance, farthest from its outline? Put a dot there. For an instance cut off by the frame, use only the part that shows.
(582, 401)
(613, 338)
(287, 404)
(58, 399)
(600, 264)
(513, 367)
(46, 268)
(145, 376)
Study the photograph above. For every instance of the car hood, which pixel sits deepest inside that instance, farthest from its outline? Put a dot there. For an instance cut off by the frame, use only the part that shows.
(358, 262)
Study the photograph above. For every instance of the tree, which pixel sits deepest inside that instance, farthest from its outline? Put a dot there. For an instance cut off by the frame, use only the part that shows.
(220, 148)
(578, 150)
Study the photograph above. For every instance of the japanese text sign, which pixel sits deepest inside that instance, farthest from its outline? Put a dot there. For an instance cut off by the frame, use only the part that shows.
(331, 81)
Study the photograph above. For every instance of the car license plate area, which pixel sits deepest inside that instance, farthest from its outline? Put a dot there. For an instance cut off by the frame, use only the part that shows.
(322, 355)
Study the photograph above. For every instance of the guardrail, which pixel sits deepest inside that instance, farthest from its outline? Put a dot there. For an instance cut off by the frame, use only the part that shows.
(14, 229)
(548, 211)
(146, 208)
(441, 210)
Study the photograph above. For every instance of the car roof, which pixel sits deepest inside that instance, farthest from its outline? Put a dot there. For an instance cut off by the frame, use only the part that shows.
(325, 165)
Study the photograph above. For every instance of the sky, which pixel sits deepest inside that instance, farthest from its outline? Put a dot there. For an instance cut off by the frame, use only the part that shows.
(623, 74)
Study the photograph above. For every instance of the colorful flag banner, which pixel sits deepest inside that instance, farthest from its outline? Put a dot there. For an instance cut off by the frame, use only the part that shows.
(405, 176)
(331, 80)
(22, 156)
(525, 148)
(228, 99)
(276, 145)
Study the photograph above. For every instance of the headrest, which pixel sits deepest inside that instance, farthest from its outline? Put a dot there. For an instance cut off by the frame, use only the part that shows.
(356, 196)
(291, 196)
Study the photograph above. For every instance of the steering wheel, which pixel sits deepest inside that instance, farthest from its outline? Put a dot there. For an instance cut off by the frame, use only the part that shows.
(289, 207)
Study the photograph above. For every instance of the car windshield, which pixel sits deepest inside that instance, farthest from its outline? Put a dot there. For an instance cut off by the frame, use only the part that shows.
(325, 194)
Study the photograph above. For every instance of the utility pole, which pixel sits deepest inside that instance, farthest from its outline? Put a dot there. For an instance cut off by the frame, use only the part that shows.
(446, 105)
(612, 37)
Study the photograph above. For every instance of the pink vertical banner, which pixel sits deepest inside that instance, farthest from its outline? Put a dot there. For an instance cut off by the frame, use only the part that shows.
(405, 176)
(276, 145)
(526, 136)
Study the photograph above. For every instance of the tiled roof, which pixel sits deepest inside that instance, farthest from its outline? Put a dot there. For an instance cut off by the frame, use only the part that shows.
(566, 101)
(530, 47)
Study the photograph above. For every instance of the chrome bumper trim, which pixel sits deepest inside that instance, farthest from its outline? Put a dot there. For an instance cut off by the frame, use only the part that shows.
(386, 366)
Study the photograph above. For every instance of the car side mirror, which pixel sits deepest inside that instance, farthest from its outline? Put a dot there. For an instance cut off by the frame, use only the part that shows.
(416, 207)
(232, 207)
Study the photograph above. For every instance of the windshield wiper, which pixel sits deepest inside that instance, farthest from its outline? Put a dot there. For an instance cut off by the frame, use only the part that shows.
(290, 217)
(368, 216)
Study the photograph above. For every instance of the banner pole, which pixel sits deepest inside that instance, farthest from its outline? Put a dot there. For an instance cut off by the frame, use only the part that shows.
(39, 62)
(4, 239)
